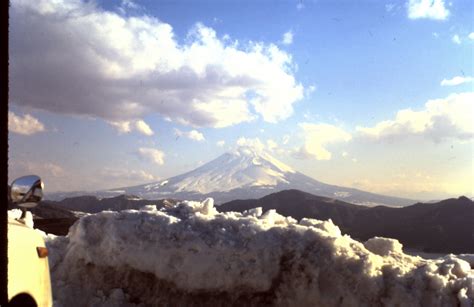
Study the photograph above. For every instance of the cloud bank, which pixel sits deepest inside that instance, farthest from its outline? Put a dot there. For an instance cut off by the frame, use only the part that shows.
(448, 118)
(71, 57)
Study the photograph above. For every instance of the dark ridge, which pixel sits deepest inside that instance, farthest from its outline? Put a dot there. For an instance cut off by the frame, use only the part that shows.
(442, 227)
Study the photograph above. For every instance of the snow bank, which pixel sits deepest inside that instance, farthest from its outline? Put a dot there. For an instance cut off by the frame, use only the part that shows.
(192, 255)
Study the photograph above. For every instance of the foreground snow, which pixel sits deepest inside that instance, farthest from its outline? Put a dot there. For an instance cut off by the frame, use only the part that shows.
(192, 255)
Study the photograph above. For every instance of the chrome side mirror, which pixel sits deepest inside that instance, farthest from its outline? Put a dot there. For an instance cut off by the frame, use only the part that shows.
(27, 191)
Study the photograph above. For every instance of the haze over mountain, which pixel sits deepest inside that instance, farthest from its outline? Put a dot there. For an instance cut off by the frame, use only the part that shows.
(244, 173)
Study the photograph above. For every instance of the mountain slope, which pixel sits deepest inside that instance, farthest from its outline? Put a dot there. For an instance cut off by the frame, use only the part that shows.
(444, 227)
(242, 174)
(246, 173)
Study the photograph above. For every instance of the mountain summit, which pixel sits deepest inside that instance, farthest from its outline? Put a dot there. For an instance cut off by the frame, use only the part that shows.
(249, 173)
(244, 167)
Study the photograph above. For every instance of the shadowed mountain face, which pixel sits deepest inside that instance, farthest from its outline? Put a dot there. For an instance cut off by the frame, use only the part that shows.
(244, 174)
(444, 227)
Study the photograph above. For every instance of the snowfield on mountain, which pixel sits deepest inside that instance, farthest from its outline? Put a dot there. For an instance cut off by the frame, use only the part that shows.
(245, 173)
(191, 255)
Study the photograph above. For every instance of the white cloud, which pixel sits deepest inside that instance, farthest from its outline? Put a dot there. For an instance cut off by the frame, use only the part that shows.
(152, 155)
(286, 139)
(344, 154)
(287, 38)
(192, 135)
(440, 119)
(317, 137)
(128, 126)
(133, 66)
(471, 35)
(271, 145)
(122, 126)
(143, 128)
(431, 9)
(456, 81)
(26, 125)
(456, 39)
(220, 143)
(255, 143)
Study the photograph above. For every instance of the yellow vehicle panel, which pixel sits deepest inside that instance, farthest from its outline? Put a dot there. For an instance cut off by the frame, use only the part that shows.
(27, 272)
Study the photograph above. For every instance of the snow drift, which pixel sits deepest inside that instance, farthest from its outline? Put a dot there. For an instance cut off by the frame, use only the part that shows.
(192, 255)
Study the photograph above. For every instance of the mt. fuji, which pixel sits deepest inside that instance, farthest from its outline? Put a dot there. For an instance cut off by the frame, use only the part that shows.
(248, 173)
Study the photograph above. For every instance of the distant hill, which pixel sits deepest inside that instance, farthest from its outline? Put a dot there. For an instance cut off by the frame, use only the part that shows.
(444, 227)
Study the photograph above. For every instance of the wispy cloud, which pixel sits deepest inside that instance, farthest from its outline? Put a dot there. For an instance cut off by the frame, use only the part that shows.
(128, 5)
(300, 5)
(316, 139)
(389, 7)
(152, 155)
(456, 81)
(203, 81)
(220, 143)
(26, 124)
(287, 38)
(448, 118)
(429, 9)
(456, 39)
(192, 135)
(471, 35)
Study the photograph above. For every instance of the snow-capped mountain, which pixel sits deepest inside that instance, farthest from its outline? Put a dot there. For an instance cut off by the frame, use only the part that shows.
(247, 173)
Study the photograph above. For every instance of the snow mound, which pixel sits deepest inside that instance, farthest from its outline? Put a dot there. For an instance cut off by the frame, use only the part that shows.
(190, 254)
(383, 246)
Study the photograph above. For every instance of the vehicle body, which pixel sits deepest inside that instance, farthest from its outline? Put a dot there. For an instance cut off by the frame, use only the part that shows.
(29, 281)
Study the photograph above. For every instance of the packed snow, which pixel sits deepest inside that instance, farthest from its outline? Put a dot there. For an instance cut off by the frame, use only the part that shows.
(190, 254)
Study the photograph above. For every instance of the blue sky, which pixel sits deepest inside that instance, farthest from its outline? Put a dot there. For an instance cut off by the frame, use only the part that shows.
(122, 93)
